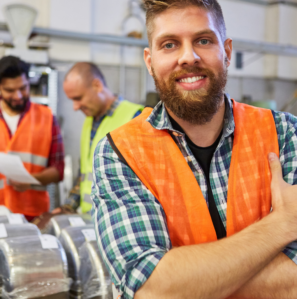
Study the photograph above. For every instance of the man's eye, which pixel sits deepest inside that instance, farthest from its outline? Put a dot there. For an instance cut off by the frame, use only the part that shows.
(169, 46)
(204, 41)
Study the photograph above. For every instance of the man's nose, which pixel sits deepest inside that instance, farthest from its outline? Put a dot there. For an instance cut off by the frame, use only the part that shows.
(76, 105)
(188, 56)
(17, 95)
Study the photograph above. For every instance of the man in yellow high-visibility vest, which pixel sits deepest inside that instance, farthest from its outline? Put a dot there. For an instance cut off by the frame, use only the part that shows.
(85, 85)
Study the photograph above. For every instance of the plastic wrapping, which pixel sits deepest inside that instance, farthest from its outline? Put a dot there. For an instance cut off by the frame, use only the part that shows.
(59, 222)
(33, 267)
(72, 238)
(95, 279)
(16, 230)
(13, 219)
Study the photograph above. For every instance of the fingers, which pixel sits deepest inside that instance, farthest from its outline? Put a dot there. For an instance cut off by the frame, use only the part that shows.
(56, 211)
(275, 167)
(20, 187)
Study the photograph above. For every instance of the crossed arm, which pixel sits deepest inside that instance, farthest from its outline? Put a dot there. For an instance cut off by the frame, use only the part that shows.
(247, 265)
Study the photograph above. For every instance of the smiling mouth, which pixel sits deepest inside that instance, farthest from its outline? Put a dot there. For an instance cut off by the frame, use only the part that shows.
(191, 79)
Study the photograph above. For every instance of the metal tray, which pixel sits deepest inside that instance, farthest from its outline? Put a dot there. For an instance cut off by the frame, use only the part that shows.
(95, 279)
(59, 222)
(28, 270)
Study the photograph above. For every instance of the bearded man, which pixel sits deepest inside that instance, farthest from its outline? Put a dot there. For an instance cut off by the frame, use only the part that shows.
(31, 132)
(190, 199)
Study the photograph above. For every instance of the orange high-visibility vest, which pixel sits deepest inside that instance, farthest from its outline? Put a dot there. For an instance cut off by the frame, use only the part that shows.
(157, 161)
(31, 142)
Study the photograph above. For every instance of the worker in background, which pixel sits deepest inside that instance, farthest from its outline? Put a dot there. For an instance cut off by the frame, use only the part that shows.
(184, 203)
(31, 132)
(85, 85)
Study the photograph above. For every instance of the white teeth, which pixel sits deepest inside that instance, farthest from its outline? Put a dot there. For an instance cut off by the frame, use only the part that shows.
(191, 79)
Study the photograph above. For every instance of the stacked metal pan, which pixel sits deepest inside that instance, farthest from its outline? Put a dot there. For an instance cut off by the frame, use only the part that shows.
(95, 279)
(16, 230)
(72, 238)
(12, 231)
(13, 219)
(33, 267)
(59, 222)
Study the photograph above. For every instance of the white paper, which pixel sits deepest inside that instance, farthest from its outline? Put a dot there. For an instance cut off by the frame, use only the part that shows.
(3, 232)
(76, 221)
(15, 218)
(48, 242)
(89, 234)
(13, 168)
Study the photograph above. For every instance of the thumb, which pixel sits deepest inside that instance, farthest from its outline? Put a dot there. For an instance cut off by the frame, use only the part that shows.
(275, 167)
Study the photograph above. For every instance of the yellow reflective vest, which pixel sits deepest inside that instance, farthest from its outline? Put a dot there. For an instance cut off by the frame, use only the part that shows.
(122, 114)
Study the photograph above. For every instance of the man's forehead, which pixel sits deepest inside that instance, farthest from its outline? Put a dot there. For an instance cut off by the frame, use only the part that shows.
(12, 82)
(177, 20)
(74, 81)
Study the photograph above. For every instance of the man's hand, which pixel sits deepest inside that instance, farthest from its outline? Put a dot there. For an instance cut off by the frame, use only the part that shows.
(284, 201)
(57, 211)
(20, 187)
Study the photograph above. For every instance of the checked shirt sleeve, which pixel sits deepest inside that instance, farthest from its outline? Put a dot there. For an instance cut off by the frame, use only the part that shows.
(130, 223)
(286, 126)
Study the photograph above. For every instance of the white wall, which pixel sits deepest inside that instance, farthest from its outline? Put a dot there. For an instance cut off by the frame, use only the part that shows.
(244, 20)
(43, 7)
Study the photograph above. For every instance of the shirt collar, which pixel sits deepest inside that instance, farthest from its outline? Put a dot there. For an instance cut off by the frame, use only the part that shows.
(111, 109)
(159, 118)
(27, 107)
(114, 106)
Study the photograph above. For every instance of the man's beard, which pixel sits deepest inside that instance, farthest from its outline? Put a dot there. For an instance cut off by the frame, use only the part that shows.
(196, 106)
(16, 108)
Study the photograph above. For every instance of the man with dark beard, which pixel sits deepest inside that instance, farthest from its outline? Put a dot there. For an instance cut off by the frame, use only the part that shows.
(31, 132)
(190, 199)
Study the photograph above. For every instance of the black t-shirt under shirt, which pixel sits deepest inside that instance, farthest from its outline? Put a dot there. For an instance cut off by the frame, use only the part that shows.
(203, 156)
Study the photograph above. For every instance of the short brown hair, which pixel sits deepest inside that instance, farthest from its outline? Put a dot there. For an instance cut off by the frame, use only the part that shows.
(155, 7)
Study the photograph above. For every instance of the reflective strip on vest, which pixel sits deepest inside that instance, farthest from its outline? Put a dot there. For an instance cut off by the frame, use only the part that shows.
(87, 198)
(38, 188)
(32, 187)
(29, 158)
(89, 175)
(1, 184)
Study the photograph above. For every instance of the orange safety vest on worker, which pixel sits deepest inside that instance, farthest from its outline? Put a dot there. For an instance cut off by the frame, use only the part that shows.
(158, 162)
(31, 142)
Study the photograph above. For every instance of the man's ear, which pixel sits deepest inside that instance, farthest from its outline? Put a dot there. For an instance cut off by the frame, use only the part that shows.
(97, 85)
(148, 60)
(228, 50)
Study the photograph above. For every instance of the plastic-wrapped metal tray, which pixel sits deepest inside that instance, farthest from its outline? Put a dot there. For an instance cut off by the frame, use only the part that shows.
(95, 279)
(16, 230)
(13, 219)
(33, 267)
(72, 238)
(59, 222)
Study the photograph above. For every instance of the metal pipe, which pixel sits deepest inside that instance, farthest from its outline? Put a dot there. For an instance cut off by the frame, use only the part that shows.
(263, 47)
(238, 44)
(269, 3)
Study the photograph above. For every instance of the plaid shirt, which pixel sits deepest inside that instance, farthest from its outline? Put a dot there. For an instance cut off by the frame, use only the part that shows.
(130, 222)
(73, 200)
(56, 156)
